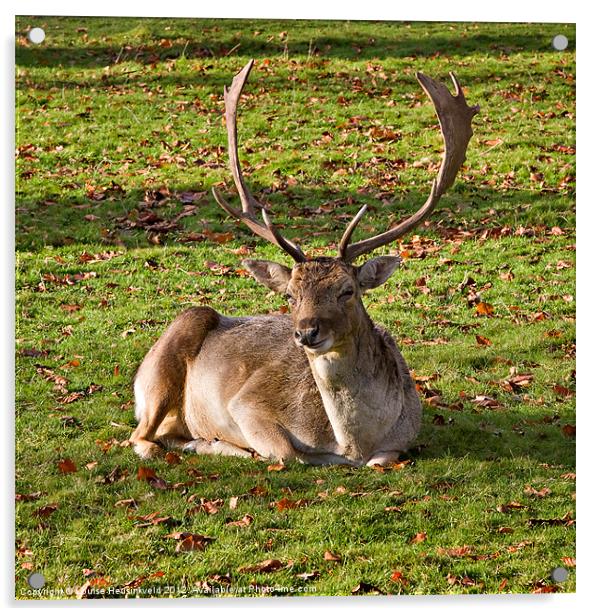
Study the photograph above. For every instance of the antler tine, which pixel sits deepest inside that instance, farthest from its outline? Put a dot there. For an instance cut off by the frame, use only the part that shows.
(343, 245)
(249, 203)
(455, 117)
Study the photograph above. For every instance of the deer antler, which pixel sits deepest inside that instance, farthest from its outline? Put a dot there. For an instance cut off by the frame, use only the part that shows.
(455, 118)
(267, 231)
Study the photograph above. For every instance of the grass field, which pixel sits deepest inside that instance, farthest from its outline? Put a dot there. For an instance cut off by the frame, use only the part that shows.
(119, 140)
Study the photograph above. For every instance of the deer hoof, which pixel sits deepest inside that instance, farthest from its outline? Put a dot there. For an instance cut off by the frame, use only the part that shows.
(147, 449)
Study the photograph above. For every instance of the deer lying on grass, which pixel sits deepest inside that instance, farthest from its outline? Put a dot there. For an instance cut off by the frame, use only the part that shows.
(324, 384)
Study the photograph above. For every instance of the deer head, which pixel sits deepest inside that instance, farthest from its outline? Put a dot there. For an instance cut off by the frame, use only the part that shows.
(325, 292)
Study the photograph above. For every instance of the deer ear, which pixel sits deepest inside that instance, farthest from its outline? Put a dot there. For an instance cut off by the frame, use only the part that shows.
(376, 271)
(272, 275)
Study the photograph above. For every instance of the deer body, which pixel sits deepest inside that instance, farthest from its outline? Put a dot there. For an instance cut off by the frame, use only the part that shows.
(324, 385)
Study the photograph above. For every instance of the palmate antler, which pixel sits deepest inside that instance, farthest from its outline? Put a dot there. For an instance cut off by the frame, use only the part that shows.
(454, 116)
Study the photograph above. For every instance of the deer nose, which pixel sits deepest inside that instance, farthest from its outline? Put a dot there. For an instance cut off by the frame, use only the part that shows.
(307, 335)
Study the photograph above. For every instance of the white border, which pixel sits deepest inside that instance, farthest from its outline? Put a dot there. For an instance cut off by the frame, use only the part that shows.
(587, 137)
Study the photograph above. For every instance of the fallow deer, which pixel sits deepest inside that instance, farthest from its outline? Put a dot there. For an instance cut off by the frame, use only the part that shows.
(322, 384)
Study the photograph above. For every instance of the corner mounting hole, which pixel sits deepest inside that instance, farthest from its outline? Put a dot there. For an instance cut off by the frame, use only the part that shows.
(36, 35)
(560, 42)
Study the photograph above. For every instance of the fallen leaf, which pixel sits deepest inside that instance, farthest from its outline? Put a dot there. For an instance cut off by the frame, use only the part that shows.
(482, 340)
(505, 508)
(568, 430)
(484, 308)
(364, 588)
(258, 491)
(537, 493)
(398, 576)
(189, 542)
(276, 467)
(286, 503)
(330, 556)
(464, 580)
(464, 550)
(25, 498)
(542, 587)
(486, 402)
(245, 521)
(67, 466)
(419, 537)
(266, 566)
(129, 503)
(569, 561)
(46, 510)
(171, 457)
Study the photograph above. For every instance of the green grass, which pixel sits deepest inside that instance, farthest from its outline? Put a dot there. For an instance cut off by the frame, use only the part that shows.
(120, 133)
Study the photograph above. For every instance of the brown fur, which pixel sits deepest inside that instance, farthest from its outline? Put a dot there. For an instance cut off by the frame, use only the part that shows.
(235, 385)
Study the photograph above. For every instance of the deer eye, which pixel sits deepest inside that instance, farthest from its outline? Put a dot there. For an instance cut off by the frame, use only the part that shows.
(345, 295)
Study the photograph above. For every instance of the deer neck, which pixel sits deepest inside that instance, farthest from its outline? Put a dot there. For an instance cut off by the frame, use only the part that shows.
(359, 385)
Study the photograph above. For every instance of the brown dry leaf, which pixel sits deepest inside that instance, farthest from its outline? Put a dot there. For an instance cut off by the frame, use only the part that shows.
(542, 587)
(129, 503)
(286, 503)
(258, 491)
(219, 238)
(72, 397)
(398, 576)
(572, 476)
(515, 382)
(106, 446)
(363, 588)
(140, 580)
(566, 520)
(172, 457)
(563, 392)
(245, 521)
(486, 402)
(530, 491)
(330, 556)
(568, 430)
(569, 561)
(464, 550)
(46, 510)
(148, 474)
(145, 473)
(419, 537)
(503, 584)
(482, 340)
(67, 466)
(276, 467)
(25, 498)
(484, 308)
(211, 507)
(464, 580)
(266, 566)
(505, 530)
(506, 507)
(151, 519)
(189, 542)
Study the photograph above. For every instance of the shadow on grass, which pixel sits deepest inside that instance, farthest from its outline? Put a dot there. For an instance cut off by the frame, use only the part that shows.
(310, 39)
(132, 219)
(493, 436)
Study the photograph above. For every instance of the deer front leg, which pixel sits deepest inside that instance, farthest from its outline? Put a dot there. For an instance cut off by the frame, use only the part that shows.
(261, 429)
